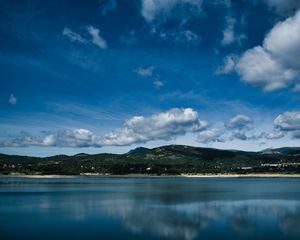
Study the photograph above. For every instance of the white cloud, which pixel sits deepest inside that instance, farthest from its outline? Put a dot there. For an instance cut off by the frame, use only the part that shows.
(72, 138)
(67, 138)
(177, 35)
(239, 134)
(239, 125)
(162, 126)
(138, 129)
(190, 36)
(272, 135)
(152, 8)
(96, 38)
(73, 36)
(210, 135)
(228, 33)
(283, 41)
(258, 67)
(228, 65)
(158, 84)
(12, 100)
(288, 121)
(49, 140)
(23, 140)
(145, 72)
(92, 31)
(275, 65)
(239, 122)
(285, 123)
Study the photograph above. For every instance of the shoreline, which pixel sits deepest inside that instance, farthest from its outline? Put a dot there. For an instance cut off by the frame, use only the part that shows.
(250, 175)
(208, 175)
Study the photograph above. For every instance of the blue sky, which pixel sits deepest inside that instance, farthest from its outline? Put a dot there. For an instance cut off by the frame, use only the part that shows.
(112, 75)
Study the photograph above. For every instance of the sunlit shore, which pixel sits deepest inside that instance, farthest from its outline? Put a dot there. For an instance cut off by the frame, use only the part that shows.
(261, 175)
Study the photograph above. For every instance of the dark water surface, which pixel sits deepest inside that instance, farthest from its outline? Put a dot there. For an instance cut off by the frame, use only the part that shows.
(141, 208)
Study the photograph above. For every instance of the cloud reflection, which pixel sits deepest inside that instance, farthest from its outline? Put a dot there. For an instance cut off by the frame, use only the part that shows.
(188, 221)
(149, 211)
(290, 223)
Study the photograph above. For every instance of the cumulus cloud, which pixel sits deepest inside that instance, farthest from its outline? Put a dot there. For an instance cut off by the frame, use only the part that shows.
(260, 68)
(285, 123)
(239, 122)
(152, 8)
(96, 38)
(275, 64)
(239, 134)
(12, 99)
(66, 138)
(239, 125)
(210, 135)
(272, 135)
(138, 129)
(72, 138)
(162, 126)
(288, 121)
(24, 139)
(145, 72)
(283, 41)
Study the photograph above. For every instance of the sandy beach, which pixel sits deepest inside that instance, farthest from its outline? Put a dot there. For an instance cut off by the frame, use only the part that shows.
(37, 176)
(261, 175)
(258, 175)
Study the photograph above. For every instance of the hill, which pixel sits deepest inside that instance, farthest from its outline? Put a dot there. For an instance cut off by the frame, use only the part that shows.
(172, 159)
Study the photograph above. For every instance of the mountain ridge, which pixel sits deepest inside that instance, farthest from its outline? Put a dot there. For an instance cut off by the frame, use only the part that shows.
(169, 159)
(140, 149)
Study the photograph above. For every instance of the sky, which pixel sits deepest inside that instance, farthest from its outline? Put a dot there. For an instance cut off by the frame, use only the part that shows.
(112, 75)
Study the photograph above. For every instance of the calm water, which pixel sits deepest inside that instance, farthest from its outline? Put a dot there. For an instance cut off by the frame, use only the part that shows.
(177, 208)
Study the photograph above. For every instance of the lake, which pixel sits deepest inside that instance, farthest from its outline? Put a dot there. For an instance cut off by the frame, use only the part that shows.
(150, 208)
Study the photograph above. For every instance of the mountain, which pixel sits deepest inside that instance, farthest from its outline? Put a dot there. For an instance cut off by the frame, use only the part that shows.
(138, 150)
(171, 159)
(288, 150)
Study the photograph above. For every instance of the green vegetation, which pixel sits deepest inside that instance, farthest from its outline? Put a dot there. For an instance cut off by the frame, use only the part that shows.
(173, 159)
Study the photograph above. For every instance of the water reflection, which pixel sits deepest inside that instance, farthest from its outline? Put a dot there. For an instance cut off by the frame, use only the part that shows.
(290, 223)
(188, 221)
(151, 210)
(158, 220)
